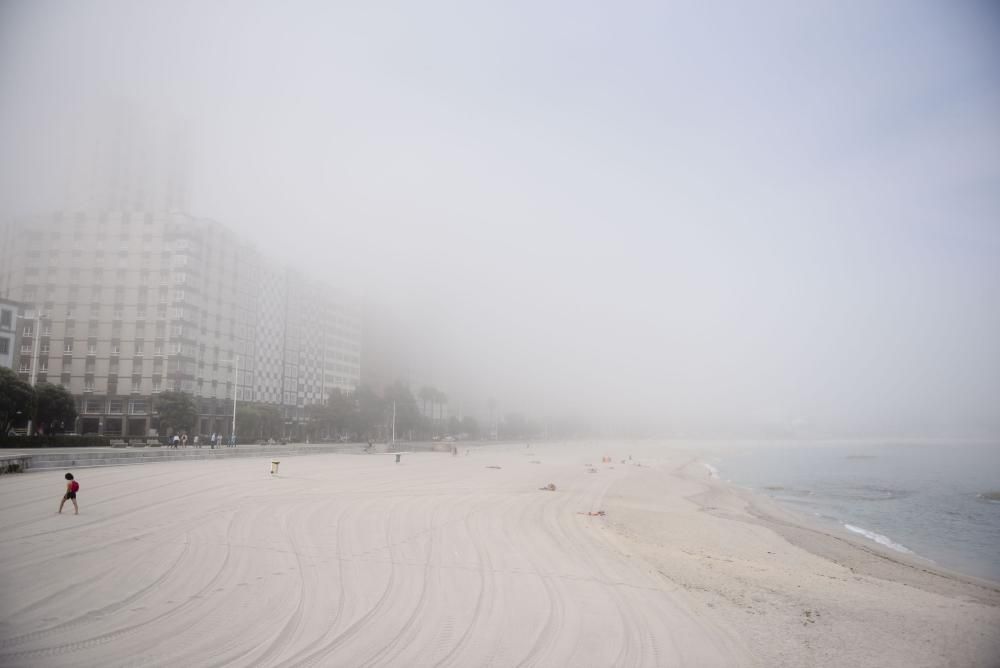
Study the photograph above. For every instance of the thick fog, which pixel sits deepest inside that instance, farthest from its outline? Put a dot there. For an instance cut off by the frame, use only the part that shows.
(699, 218)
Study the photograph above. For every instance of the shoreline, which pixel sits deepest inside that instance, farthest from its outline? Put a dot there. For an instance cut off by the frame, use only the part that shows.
(805, 532)
(792, 592)
(778, 515)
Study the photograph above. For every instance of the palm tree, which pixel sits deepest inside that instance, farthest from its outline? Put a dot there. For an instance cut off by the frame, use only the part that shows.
(442, 399)
(426, 394)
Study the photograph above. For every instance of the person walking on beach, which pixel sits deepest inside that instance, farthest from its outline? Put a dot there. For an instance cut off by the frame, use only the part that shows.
(72, 487)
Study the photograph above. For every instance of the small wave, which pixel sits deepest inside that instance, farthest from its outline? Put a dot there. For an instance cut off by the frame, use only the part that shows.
(871, 493)
(712, 471)
(878, 538)
(992, 497)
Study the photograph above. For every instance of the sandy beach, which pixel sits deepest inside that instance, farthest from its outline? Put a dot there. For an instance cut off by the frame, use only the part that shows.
(354, 560)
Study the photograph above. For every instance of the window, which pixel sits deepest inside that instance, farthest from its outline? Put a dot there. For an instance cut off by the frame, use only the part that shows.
(68, 346)
(91, 406)
(138, 348)
(116, 347)
(44, 347)
(29, 330)
(6, 318)
(4, 345)
(136, 384)
(64, 380)
(88, 384)
(157, 386)
(115, 406)
(92, 347)
(137, 407)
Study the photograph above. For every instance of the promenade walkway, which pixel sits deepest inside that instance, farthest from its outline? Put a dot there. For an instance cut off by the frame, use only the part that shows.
(44, 459)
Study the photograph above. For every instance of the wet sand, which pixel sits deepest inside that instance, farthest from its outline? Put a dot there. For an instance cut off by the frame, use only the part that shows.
(355, 560)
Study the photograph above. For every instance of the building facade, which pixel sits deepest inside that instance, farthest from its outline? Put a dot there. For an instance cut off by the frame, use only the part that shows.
(121, 305)
(8, 333)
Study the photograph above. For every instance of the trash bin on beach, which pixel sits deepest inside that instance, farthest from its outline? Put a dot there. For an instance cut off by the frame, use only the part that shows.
(274, 466)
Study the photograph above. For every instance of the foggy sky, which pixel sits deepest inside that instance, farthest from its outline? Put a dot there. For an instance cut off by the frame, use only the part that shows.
(711, 217)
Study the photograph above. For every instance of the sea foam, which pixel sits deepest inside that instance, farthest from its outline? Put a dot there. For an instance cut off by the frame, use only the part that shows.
(878, 538)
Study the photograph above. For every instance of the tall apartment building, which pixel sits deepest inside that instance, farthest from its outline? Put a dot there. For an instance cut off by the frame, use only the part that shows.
(307, 341)
(8, 332)
(130, 303)
(119, 306)
(136, 297)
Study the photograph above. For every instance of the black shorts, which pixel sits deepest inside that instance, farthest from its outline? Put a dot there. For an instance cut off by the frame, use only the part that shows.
(69, 495)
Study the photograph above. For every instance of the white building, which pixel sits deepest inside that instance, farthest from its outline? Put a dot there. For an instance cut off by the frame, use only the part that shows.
(133, 303)
(8, 333)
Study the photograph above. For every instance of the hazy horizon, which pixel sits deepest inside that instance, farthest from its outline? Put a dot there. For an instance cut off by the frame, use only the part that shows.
(713, 220)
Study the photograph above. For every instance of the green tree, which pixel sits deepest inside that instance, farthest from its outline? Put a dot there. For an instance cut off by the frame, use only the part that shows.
(334, 416)
(442, 401)
(17, 400)
(55, 407)
(426, 394)
(258, 421)
(369, 416)
(470, 426)
(515, 425)
(177, 410)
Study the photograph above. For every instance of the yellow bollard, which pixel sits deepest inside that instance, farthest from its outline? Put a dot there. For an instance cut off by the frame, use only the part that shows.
(274, 466)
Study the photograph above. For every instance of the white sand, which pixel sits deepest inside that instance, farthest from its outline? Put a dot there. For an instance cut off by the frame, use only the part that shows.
(351, 560)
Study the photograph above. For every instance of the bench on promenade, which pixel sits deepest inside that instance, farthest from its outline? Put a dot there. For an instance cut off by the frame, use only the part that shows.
(398, 454)
(118, 443)
(14, 463)
(153, 442)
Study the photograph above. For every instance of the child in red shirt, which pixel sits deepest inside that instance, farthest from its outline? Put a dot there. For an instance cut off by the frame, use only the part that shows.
(72, 486)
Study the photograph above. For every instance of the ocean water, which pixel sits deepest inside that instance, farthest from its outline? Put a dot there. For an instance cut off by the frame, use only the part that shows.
(930, 500)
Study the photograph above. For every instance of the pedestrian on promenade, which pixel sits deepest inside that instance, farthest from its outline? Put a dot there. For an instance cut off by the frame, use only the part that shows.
(197, 444)
(72, 487)
(175, 441)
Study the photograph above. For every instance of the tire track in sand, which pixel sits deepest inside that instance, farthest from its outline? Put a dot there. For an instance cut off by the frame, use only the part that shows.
(87, 643)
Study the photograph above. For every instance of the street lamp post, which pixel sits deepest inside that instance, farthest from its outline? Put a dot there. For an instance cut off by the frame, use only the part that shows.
(236, 378)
